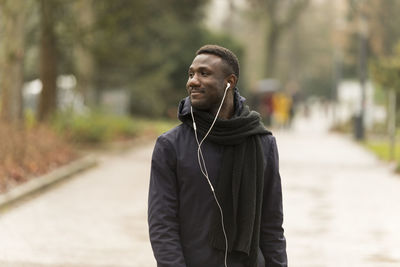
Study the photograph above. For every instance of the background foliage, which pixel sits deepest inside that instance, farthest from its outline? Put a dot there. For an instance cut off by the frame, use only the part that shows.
(144, 48)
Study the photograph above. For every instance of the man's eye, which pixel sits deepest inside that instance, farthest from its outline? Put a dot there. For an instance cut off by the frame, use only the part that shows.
(190, 74)
(203, 73)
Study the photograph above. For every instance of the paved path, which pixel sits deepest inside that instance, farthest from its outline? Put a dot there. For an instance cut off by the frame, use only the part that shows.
(340, 209)
(340, 202)
(95, 219)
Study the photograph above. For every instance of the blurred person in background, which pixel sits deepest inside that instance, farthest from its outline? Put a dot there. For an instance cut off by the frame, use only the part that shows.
(281, 105)
(225, 190)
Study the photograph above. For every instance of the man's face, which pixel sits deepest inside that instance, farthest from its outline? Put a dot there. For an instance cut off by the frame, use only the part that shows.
(206, 84)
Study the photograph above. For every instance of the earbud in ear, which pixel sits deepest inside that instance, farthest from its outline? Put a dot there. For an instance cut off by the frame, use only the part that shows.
(228, 85)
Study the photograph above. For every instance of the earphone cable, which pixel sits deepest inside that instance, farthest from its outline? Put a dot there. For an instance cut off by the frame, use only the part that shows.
(203, 168)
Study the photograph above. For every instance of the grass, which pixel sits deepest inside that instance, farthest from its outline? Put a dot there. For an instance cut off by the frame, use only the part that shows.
(378, 142)
(382, 149)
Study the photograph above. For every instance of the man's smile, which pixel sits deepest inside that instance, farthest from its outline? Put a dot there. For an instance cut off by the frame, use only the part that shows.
(196, 93)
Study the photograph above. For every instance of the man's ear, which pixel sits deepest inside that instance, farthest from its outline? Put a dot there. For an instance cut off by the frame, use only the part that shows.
(232, 79)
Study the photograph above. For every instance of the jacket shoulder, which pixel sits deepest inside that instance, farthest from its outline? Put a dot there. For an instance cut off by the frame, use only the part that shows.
(268, 138)
(171, 136)
(268, 142)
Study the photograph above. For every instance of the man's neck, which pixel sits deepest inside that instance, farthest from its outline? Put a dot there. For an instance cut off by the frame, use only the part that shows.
(227, 109)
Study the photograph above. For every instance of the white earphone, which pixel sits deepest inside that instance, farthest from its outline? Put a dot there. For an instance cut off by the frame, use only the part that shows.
(203, 167)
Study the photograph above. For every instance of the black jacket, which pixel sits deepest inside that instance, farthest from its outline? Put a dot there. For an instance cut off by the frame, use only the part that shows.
(181, 203)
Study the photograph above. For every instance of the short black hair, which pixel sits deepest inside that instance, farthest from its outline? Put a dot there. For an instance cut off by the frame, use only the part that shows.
(224, 53)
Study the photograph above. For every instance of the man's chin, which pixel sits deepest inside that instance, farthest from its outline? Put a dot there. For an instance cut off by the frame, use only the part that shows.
(197, 104)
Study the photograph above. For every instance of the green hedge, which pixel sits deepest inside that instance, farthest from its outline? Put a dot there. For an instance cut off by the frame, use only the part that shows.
(98, 127)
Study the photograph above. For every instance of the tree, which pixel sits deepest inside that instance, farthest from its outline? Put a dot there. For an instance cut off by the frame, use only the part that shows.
(48, 60)
(382, 22)
(385, 71)
(13, 15)
(146, 46)
(84, 62)
(305, 56)
(279, 16)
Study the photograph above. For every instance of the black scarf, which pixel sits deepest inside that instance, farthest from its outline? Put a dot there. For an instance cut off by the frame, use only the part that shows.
(239, 187)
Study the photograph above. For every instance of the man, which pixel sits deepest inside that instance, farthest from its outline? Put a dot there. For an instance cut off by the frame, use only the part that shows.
(238, 161)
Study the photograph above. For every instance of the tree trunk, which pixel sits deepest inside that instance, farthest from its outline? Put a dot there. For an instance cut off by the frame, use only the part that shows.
(272, 42)
(48, 61)
(12, 17)
(392, 124)
(84, 60)
(277, 25)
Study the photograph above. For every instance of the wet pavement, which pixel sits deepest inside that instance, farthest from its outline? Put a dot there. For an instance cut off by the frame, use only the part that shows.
(95, 219)
(340, 207)
(340, 202)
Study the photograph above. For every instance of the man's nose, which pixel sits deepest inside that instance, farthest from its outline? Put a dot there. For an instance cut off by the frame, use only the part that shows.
(194, 81)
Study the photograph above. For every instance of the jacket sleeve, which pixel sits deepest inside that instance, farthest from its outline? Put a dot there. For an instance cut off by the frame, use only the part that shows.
(272, 239)
(163, 205)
